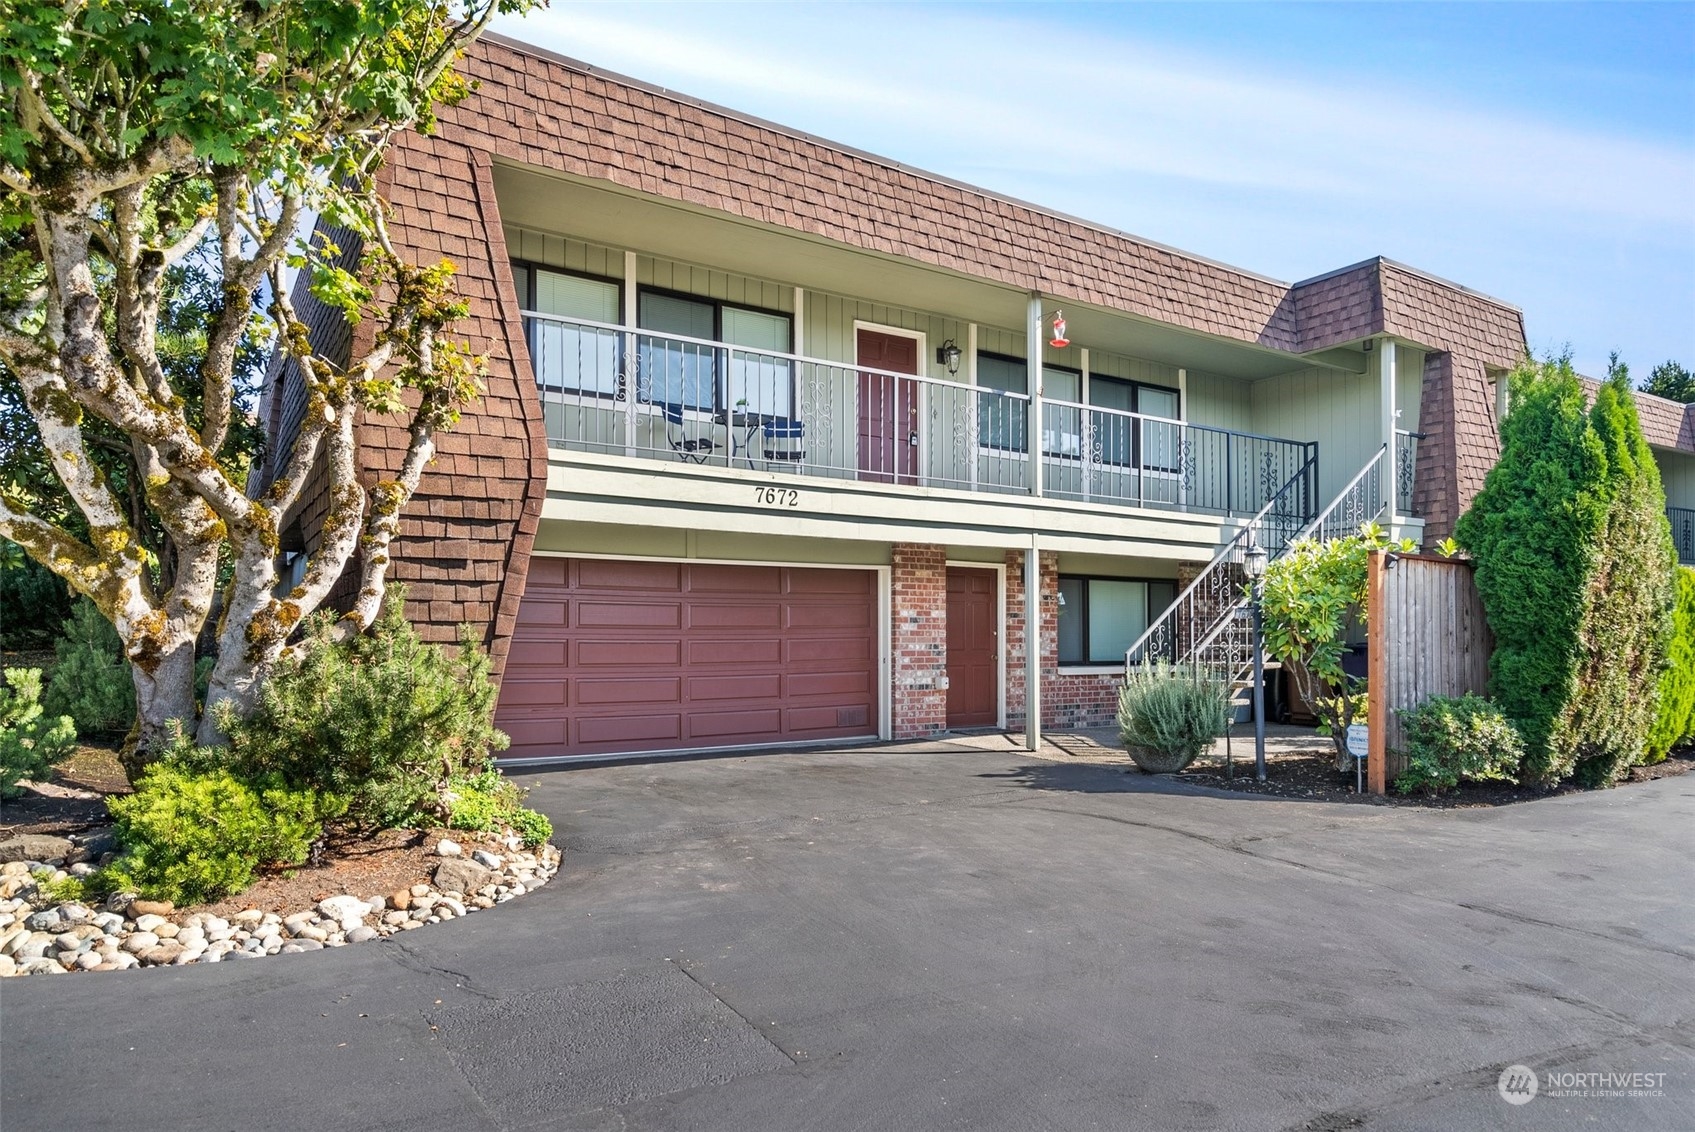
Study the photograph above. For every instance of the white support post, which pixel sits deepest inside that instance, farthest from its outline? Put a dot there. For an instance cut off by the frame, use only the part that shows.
(1388, 479)
(631, 376)
(800, 322)
(971, 456)
(1033, 368)
(1086, 428)
(1033, 645)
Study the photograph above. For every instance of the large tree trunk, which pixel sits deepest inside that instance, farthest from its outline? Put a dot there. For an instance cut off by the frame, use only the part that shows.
(164, 696)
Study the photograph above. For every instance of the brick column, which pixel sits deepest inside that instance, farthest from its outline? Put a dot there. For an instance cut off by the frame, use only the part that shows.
(918, 612)
(1048, 637)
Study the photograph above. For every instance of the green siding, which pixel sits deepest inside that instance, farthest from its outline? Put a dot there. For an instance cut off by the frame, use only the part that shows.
(1339, 410)
(1677, 474)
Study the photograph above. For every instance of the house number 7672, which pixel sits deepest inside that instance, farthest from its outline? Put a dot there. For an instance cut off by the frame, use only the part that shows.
(777, 496)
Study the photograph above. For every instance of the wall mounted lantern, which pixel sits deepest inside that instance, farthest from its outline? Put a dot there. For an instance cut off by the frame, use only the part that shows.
(948, 354)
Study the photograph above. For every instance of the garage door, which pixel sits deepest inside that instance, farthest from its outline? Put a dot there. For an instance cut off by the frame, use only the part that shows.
(617, 656)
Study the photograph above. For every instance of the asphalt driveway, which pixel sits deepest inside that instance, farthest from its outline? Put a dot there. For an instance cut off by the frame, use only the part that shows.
(942, 936)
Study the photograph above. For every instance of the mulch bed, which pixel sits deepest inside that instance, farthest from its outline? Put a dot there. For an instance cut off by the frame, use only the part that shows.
(1315, 777)
(73, 800)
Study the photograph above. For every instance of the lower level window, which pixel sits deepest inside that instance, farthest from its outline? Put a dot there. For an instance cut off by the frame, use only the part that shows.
(1100, 618)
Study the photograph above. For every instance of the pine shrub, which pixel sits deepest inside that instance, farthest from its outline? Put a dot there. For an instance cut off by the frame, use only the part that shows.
(1533, 532)
(31, 741)
(191, 835)
(1674, 720)
(34, 601)
(92, 682)
(1453, 740)
(1173, 711)
(1627, 605)
(384, 720)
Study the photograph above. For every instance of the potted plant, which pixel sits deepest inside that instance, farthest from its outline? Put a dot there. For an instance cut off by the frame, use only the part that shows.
(1168, 714)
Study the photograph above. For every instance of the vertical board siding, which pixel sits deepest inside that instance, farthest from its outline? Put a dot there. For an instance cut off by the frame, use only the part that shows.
(1337, 409)
(1222, 402)
(1677, 476)
(1409, 386)
(1435, 637)
(564, 253)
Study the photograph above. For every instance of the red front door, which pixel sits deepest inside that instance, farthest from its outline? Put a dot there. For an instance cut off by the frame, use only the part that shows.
(973, 648)
(888, 408)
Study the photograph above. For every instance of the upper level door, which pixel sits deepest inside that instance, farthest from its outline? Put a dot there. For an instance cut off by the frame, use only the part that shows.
(888, 408)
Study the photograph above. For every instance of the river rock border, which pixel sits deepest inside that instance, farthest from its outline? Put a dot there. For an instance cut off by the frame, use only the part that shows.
(40, 937)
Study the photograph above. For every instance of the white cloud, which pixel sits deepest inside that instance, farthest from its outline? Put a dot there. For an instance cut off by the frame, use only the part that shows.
(962, 84)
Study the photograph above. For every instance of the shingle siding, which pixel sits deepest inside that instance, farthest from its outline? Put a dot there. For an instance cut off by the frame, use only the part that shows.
(465, 539)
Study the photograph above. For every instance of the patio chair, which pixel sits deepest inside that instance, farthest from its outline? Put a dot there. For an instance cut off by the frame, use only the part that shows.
(694, 447)
(784, 441)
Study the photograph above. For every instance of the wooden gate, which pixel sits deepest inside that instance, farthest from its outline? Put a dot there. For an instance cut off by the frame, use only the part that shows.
(1428, 638)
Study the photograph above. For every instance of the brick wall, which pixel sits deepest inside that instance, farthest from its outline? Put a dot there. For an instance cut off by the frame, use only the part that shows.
(918, 609)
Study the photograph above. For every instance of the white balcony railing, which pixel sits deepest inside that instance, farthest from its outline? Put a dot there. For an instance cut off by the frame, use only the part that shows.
(611, 389)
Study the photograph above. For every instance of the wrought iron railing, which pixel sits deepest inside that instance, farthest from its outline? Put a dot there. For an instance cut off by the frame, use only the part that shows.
(1683, 532)
(1200, 626)
(611, 389)
(1406, 469)
(1090, 452)
(1359, 503)
(1210, 625)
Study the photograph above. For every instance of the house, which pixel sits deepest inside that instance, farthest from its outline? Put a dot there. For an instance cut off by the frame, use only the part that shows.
(1670, 431)
(788, 443)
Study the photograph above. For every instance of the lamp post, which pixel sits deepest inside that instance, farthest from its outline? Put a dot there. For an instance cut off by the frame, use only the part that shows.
(1254, 562)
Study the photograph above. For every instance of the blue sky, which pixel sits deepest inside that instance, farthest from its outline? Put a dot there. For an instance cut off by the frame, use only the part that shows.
(1543, 153)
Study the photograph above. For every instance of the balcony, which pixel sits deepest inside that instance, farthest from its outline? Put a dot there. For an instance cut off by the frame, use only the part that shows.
(697, 402)
(1683, 532)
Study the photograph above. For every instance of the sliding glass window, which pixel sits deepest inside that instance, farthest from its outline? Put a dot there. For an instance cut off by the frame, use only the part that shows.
(568, 357)
(1100, 618)
(1001, 420)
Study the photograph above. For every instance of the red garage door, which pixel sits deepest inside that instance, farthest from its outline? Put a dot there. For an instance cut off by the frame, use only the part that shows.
(615, 656)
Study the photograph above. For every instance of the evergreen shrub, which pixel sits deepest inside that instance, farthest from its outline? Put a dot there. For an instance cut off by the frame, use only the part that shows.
(190, 835)
(1533, 533)
(384, 720)
(31, 741)
(1627, 605)
(1674, 721)
(34, 601)
(92, 682)
(1453, 740)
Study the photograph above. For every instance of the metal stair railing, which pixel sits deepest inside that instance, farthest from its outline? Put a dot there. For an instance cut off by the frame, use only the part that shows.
(1210, 624)
(1210, 600)
(1359, 503)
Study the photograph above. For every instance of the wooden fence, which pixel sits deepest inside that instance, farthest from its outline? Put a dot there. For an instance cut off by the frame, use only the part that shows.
(1428, 638)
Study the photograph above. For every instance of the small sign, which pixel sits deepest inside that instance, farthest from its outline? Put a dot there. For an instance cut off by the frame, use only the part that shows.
(1359, 740)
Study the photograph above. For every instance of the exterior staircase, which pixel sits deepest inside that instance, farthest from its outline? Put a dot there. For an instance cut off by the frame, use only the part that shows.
(1211, 624)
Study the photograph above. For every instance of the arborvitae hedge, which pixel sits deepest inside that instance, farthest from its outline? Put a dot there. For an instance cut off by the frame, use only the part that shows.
(1533, 533)
(1574, 565)
(1626, 606)
(1674, 723)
